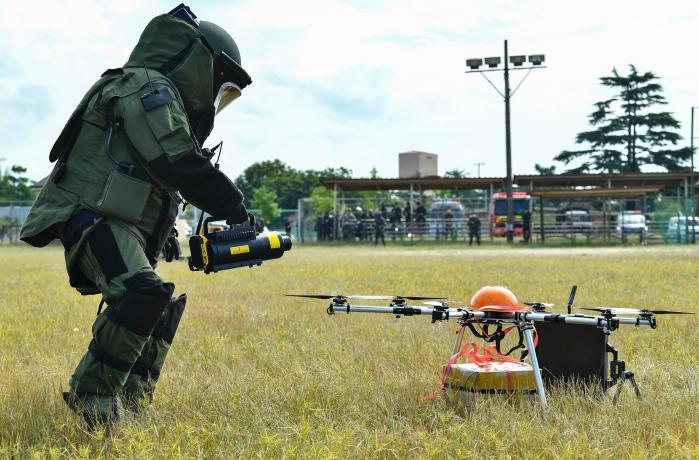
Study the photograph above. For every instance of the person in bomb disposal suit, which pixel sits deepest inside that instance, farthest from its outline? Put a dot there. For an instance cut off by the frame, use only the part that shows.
(131, 149)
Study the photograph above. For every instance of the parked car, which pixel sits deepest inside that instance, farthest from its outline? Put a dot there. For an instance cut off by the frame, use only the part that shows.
(679, 227)
(440, 207)
(631, 223)
(437, 211)
(577, 221)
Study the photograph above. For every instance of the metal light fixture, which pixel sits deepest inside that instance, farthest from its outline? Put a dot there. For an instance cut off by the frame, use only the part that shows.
(493, 61)
(518, 63)
(536, 59)
(518, 60)
(474, 64)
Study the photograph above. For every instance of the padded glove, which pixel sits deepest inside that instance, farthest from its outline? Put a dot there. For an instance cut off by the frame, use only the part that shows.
(238, 216)
(171, 249)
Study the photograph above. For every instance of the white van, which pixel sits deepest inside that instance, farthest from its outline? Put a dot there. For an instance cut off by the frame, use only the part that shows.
(631, 223)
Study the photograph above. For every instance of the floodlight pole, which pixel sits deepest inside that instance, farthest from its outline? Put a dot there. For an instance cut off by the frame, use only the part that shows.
(536, 63)
(510, 224)
(694, 211)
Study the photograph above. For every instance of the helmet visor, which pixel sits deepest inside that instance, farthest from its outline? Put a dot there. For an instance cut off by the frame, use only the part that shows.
(227, 93)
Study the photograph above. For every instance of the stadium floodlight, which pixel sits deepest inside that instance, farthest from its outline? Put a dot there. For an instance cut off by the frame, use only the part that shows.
(493, 61)
(518, 60)
(536, 59)
(474, 64)
(510, 63)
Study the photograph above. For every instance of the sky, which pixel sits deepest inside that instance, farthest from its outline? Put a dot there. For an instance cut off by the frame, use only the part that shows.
(352, 83)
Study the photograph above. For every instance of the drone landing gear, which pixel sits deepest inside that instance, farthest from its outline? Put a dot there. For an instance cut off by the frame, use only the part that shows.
(618, 373)
(624, 377)
(535, 362)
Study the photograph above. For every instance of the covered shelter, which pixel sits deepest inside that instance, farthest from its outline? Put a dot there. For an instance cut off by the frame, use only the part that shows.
(607, 180)
(602, 186)
(412, 184)
(415, 183)
(604, 193)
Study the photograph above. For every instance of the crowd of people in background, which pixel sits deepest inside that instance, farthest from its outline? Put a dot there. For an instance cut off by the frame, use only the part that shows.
(375, 225)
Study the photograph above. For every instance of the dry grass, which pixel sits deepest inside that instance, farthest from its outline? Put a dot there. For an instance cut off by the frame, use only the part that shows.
(254, 374)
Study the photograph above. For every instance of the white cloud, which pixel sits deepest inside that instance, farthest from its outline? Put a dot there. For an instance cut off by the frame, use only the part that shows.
(353, 83)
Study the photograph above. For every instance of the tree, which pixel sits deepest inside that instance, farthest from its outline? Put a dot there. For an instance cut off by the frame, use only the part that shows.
(14, 186)
(288, 183)
(545, 170)
(265, 199)
(322, 199)
(627, 134)
(460, 194)
(456, 174)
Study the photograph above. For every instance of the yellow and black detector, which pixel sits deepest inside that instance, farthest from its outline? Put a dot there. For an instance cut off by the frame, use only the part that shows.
(239, 246)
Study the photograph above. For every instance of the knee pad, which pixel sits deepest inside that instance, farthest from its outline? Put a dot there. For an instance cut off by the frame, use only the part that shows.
(143, 304)
(167, 327)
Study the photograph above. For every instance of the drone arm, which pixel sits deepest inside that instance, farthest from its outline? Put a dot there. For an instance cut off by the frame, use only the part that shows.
(397, 310)
(598, 321)
(442, 314)
(436, 314)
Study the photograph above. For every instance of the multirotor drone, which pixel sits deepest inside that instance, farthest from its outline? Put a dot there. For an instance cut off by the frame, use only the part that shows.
(564, 346)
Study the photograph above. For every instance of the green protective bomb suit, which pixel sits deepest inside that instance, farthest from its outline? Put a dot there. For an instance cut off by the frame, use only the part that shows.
(128, 153)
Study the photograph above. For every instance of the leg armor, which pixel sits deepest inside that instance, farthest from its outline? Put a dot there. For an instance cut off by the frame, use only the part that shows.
(114, 260)
(140, 384)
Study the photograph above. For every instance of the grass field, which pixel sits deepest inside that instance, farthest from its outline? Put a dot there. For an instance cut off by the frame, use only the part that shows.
(255, 374)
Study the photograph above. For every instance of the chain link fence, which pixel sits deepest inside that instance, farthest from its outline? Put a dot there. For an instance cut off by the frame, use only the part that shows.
(12, 216)
(658, 220)
(570, 225)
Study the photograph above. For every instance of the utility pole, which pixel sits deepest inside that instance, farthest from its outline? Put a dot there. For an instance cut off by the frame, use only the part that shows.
(510, 224)
(693, 184)
(478, 165)
(493, 62)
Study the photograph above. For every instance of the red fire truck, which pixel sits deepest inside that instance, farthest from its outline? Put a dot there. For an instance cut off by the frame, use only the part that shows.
(521, 203)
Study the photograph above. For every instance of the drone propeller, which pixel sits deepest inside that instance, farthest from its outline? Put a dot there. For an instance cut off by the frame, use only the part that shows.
(635, 311)
(539, 304)
(444, 303)
(312, 296)
(365, 297)
(392, 297)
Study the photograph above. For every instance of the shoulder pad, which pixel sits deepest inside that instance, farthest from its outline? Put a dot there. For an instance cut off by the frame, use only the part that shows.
(113, 72)
(160, 97)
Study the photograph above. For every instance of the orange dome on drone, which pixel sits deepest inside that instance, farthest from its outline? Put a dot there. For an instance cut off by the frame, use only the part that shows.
(495, 298)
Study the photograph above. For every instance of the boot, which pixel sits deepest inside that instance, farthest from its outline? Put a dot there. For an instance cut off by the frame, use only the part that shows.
(96, 410)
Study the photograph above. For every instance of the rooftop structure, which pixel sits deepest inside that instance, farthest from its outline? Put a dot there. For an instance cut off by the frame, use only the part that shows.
(417, 164)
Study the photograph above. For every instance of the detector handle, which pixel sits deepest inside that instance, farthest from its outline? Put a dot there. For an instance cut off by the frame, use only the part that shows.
(205, 225)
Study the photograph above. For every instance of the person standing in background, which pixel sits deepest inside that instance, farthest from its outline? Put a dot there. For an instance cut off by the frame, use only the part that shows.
(379, 224)
(526, 225)
(474, 229)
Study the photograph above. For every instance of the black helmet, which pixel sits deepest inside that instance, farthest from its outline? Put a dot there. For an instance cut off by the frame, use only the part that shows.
(227, 68)
(229, 77)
